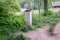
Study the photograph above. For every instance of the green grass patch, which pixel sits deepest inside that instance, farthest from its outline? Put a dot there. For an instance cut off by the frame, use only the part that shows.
(11, 23)
(49, 17)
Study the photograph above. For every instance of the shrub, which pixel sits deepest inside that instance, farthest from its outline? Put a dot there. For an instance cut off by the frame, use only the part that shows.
(7, 6)
(35, 19)
(11, 23)
(17, 37)
(49, 13)
(52, 26)
(49, 17)
(7, 23)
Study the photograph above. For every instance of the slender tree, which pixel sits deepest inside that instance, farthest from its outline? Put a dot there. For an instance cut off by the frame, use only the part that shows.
(45, 5)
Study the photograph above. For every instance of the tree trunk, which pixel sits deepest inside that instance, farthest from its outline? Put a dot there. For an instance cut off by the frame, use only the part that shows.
(45, 5)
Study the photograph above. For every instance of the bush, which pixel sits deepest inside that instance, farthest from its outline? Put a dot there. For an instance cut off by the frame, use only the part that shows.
(54, 20)
(7, 7)
(17, 37)
(35, 19)
(49, 13)
(52, 26)
(49, 17)
(11, 23)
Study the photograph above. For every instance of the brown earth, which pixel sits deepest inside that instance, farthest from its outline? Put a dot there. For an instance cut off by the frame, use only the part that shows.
(44, 34)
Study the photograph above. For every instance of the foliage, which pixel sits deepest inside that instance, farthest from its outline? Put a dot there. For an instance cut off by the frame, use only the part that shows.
(49, 17)
(8, 22)
(28, 28)
(55, 20)
(3, 37)
(35, 19)
(11, 23)
(7, 7)
(48, 13)
(17, 37)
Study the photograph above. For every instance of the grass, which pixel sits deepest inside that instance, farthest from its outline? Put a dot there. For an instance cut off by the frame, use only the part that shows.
(14, 23)
(49, 17)
(3, 37)
(11, 23)
(17, 37)
(54, 19)
(13, 37)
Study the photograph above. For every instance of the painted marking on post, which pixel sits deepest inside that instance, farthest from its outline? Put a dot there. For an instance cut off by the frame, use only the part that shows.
(28, 17)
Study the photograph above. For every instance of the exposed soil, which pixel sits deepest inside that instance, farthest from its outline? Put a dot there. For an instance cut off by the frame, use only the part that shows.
(44, 34)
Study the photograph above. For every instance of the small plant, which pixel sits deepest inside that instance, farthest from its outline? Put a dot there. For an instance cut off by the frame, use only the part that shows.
(47, 13)
(52, 26)
(27, 28)
(17, 37)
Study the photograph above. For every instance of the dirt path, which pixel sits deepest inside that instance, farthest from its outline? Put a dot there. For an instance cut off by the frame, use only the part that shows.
(42, 34)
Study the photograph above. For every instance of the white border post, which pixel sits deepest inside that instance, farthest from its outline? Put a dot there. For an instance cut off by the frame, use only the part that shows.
(28, 17)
